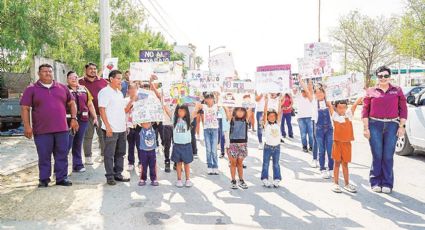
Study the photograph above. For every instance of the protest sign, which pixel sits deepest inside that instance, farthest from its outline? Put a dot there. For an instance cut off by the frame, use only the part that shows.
(165, 71)
(238, 93)
(222, 66)
(147, 108)
(154, 56)
(109, 65)
(273, 68)
(178, 93)
(272, 81)
(201, 81)
(344, 87)
(317, 60)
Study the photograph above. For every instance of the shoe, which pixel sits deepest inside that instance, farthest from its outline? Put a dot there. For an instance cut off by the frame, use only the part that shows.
(310, 149)
(80, 170)
(100, 159)
(276, 183)
(330, 173)
(291, 136)
(195, 156)
(142, 183)
(350, 188)
(313, 164)
(122, 179)
(260, 146)
(111, 182)
(154, 183)
(386, 190)
(130, 168)
(305, 149)
(210, 171)
(244, 166)
(221, 155)
(377, 189)
(188, 184)
(179, 184)
(233, 184)
(242, 184)
(89, 161)
(266, 183)
(167, 167)
(43, 184)
(282, 140)
(65, 182)
(324, 174)
(336, 188)
(215, 172)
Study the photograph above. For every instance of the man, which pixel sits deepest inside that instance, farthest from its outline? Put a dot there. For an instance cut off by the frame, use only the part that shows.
(94, 84)
(47, 100)
(125, 83)
(112, 110)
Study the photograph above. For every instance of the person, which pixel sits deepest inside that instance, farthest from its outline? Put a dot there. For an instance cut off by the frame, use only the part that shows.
(94, 84)
(384, 117)
(132, 134)
(304, 115)
(271, 147)
(125, 83)
(148, 147)
(50, 129)
(112, 110)
(341, 148)
(225, 124)
(182, 143)
(286, 109)
(84, 103)
(259, 106)
(238, 149)
(314, 163)
(210, 110)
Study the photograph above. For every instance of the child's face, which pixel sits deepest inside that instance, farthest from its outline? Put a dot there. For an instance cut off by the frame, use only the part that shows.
(209, 101)
(181, 113)
(132, 91)
(320, 95)
(146, 125)
(271, 117)
(341, 109)
(240, 113)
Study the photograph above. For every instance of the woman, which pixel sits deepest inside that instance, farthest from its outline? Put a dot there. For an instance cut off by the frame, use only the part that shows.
(83, 100)
(286, 108)
(384, 116)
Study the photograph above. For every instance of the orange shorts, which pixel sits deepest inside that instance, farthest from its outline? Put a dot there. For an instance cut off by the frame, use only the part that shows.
(341, 151)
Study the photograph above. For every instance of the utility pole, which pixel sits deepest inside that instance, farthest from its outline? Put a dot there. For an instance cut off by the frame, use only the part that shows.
(319, 20)
(105, 30)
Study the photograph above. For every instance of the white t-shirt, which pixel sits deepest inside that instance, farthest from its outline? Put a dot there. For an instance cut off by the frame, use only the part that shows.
(210, 116)
(341, 119)
(272, 134)
(304, 107)
(114, 104)
(259, 106)
(273, 104)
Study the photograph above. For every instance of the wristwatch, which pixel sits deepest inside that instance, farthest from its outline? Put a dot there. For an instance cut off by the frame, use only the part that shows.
(402, 126)
(74, 118)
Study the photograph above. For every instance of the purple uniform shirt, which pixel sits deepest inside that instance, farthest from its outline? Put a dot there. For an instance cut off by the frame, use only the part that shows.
(379, 104)
(48, 107)
(94, 88)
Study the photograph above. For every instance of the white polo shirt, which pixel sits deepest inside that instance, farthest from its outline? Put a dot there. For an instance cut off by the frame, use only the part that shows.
(114, 104)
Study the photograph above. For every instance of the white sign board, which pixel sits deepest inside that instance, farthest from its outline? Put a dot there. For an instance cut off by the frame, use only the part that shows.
(344, 87)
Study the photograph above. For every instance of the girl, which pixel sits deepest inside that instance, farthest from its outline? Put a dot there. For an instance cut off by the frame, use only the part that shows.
(271, 147)
(238, 144)
(182, 146)
(148, 154)
(133, 138)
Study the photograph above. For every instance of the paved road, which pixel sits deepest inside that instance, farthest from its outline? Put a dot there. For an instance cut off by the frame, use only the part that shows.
(304, 201)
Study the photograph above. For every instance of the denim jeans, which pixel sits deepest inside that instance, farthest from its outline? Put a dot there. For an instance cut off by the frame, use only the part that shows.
(383, 138)
(306, 128)
(259, 116)
(315, 148)
(274, 153)
(286, 117)
(211, 141)
(324, 137)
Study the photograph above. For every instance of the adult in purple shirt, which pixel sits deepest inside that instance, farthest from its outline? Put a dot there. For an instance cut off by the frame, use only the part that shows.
(47, 101)
(384, 116)
(94, 84)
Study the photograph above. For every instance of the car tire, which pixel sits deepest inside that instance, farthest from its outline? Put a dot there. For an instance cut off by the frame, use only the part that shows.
(403, 147)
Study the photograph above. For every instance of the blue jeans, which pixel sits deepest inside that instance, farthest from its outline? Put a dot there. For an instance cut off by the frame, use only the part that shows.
(324, 137)
(383, 138)
(306, 128)
(259, 115)
(75, 143)
(274, 153)
(315, 149)
(211, 141)
(286, 117)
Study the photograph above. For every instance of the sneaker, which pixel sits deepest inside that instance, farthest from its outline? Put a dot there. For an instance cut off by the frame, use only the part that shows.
(350, 188)
(377, 189)
(242, 184)
(313, 164)
(111, 182)
(195, 156)
(386, 190)
(43, 184)
(330, 173)
(282, 140)
(179, 184)
(167, 167)
(336, 188)
(210, 171)
(260, 146)
(305, 149)
(325, 174)
(80, 170)
(266, 183)
(276, 183)
(89, 161)
(244, 166)
(310, 149)
(291, 136)
(233, 184)
(188, 184)
(215, 172)
(221, 155)
(130, 168)
(154, 183)
(142, 183)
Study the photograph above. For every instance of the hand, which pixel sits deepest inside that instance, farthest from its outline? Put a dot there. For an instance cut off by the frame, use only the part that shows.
(74, 125)
(28, 132)
(400, 132)
(95, 123)
(366, 133)
(109, 131)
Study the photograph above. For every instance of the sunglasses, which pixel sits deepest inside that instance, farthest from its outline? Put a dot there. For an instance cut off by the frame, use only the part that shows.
(380, 76)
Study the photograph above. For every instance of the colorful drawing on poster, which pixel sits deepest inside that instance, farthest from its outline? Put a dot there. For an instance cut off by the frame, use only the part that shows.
(273, 81)
(109, 65)
(147, 108)
(222, 66)
(180, 94)
(317, 60)
(238, 93)
(344, 87)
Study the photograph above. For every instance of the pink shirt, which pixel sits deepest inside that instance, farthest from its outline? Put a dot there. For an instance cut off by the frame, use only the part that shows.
(379, 104)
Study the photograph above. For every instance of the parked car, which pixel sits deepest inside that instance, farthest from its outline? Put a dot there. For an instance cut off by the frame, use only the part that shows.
(414, 139)
(412, 90)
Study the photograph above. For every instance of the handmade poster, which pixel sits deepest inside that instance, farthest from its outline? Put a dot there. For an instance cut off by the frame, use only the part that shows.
(238, 93)
(317, 60)
(147, 108)
(201, 81)
(165, 71)
(222, 66)
(178, 93)
(273, 68)
(109, 65)
(273, 81)
(154, 55)
(140, 72)
(344, 87)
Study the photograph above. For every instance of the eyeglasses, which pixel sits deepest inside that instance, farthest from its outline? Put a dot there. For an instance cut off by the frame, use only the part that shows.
(383, 76)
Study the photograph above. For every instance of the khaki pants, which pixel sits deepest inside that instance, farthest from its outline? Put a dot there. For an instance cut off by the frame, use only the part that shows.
(88, 138)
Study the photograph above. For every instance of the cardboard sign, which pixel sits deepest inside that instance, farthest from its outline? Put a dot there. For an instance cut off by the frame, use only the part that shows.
(154, 56)
(344, 87)
(147, 108)
(179, 93)
(201, 81)
(317, 60)
(222, 66)
(165, 71)
(109, 65)
(273, 81)
(238, 94)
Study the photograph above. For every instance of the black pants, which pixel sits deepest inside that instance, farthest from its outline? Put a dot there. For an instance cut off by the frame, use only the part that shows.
(193, 132)
(166, 132)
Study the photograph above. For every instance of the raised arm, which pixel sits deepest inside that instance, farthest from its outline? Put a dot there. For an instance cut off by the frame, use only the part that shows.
(330, 107)
(356, 103)
(266, 102)
(198, 106)
(153, 87)
(305, 88)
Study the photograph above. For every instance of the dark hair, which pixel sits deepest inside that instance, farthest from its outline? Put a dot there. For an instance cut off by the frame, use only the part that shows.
(341, 102)
(44, 66)
(186, 117)
(127, 71)
(382, 69)
(208, 95)
(69, 73)
(90, 64)
(133, 84)
(239, 108)
(113, 74)
(271, 111)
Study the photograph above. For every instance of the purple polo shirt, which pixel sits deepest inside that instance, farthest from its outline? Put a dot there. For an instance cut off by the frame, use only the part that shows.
(94, 88)
(48, 107)
(379, 104)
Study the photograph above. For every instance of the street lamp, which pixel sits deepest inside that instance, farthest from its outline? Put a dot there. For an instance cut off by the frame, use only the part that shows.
(209, 54)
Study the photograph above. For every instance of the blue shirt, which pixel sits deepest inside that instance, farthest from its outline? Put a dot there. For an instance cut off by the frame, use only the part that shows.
(124, 88)
(147, 139)
(181, 133)
(224, 121)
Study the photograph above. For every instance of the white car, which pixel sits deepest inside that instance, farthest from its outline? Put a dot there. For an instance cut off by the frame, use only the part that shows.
(414, 139)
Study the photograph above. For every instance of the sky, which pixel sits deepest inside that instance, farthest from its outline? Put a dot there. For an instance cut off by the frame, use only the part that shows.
(257, 32)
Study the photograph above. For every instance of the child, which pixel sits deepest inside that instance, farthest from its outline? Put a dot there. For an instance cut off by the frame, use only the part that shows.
(238, 144)
(273, 136)
(341, 149)
(182, 146)
(210, 110)
(133, 138)
(148, 154)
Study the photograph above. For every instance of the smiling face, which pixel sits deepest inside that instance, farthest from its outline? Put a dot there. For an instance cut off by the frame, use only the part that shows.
(271, 117)
(72, 80)
(320, 94)
(91, 71)
(341, 109)
(384, 78)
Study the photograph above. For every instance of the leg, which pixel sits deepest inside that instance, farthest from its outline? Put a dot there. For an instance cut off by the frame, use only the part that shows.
(303, 131)
(100, 136)
(220, 130)
(266, 162)
(239, 164)
(77, 161)
(60, 154)
(259, 116)
(289, 124)
(282, 126)
(152, 166)
(320, 137)
(345, 173)
(193, 132)
(119, 155)
(187, 171)
(315, 147)
(208, 146)
(390, 139)
(233, 165)
(110, 148)
(143, 165)
(214, 140)
(167, 138)
(329, 142)
(179, 170)
(309, 132)
(276, 165)
(131, 144)
(88, 139)
(44, 144)
(336, 171)
(376, 144)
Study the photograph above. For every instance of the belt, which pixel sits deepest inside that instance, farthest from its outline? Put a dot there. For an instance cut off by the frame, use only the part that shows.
(397, 120)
